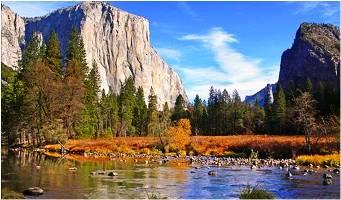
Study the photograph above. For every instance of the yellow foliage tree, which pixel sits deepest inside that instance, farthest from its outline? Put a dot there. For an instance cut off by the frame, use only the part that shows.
(178, 136)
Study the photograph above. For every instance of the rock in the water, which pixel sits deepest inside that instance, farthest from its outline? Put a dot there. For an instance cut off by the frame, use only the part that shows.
(93, 173)
(213, 173)
(289, 174)
(119, 42)
(253, 167)
(327, 176)
(100, 172)
(336, 171)
(327, 181)
(33, 191)
(113, 174)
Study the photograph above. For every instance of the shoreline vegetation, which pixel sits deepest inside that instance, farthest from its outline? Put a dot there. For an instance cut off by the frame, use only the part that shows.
(241, 147)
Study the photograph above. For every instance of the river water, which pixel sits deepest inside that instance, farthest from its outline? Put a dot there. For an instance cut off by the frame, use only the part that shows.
(19, 172)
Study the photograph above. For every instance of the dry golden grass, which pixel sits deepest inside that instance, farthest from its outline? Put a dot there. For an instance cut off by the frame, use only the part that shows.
(266, 145)
(330, 160)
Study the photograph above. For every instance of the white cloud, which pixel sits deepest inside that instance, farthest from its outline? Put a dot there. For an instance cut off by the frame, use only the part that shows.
(187, 9)
(323, 8)
(170, 54)
(237, 70)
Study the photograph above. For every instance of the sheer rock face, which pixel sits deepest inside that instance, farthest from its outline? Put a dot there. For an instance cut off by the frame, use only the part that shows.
(315, 54)
(12, 36)
(119, 42)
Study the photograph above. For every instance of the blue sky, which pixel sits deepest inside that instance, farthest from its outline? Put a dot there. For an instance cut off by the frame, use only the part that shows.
(232, 45)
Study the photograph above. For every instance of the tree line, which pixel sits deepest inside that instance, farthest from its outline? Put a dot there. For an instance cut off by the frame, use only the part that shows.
(51, 98)
(225, 114)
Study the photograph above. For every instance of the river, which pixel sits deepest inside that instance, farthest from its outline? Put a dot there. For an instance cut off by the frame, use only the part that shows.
(19, 171)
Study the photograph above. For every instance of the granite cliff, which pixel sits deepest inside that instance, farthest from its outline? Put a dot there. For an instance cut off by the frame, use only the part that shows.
(119, 42)
(315, 54)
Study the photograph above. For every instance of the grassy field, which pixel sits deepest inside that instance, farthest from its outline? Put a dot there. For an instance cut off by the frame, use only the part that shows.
(232, 146)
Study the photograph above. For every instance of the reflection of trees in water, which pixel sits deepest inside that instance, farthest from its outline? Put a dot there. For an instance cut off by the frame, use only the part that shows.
(57, 180)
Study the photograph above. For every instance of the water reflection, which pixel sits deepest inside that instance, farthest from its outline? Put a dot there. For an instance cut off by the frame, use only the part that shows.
(19, 171)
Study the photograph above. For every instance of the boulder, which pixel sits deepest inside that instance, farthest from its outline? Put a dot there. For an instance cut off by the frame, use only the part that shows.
(113, 174)
(33, 191)
(213, 173)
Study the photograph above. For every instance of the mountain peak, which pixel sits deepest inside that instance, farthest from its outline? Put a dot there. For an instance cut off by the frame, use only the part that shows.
(314, 55)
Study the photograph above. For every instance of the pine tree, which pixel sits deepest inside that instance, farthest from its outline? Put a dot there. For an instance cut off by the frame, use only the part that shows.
(197, 115)
(237, 113)
(153, 117)
(165, 118)
(179, 109)
(258, 118)
(127, 104)
(279, 109)
(308, 86)
(140, 112)
(76, 51)
(268, 113)
(291, 92)
(53, 54)
(92, 102)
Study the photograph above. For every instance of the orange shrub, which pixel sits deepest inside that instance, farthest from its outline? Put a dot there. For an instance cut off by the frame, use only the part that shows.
(178, 136)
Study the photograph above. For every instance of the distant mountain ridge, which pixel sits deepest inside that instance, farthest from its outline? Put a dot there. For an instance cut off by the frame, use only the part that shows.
(260, 95)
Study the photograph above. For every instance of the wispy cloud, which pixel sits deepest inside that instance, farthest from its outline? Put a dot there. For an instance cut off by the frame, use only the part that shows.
(187, 9)
(170, 54)
(237, 70)
(325, 9)
(34, 9)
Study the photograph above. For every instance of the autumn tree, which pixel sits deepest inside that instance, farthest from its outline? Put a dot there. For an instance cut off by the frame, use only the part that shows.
(304, 108)
(178, 136)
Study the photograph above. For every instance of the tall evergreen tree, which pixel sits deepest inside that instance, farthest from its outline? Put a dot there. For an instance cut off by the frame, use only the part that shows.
(140, 112)
(53, 54)
(92, 102)
(279, 109)
(179, 109)
(308, 86)
(76, 51)
(165, 119)
(153, 116)
(127, 104)
(258, 118)
(198, 113)
(268, 113)
(237, 114)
